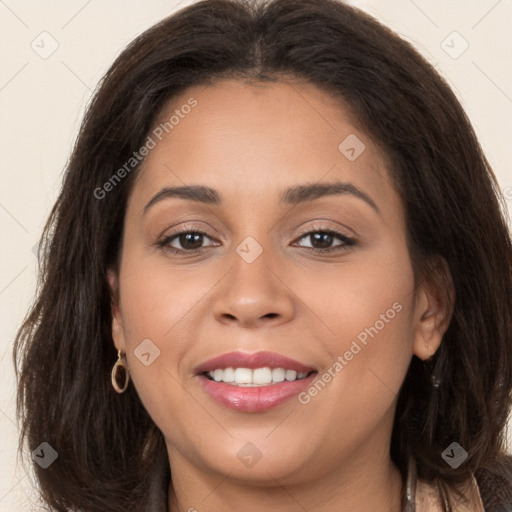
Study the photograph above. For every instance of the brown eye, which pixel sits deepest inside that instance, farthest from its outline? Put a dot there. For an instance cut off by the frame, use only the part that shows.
(322, 240)
(189, 241)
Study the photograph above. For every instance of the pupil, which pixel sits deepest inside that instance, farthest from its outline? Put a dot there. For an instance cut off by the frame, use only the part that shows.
(325, 240)
(187, 240)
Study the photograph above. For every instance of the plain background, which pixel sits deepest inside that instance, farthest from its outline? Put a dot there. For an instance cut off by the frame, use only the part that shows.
(43, 97)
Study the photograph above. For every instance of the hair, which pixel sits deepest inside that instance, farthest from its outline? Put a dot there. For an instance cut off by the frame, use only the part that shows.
(109, 449)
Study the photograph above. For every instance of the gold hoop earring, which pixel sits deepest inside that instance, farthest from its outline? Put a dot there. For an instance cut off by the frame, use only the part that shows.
(119, 370)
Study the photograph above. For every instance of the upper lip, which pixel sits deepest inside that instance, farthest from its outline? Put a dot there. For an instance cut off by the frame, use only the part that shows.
(252, 360)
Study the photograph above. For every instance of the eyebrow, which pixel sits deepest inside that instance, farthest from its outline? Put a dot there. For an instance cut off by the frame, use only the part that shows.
(291, 196)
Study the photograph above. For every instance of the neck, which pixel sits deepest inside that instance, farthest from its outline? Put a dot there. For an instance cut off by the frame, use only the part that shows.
(365, 483)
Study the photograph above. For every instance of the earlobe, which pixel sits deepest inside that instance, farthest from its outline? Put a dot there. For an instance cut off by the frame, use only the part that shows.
(118, 332)
(428, 336)
(434, 308)
(117, 326)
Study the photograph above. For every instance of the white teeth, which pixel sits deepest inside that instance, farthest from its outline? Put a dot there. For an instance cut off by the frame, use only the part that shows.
(257, 377)
(278, 374)
(228, 375)
(243, 376)
(262, 376)
(291, 375)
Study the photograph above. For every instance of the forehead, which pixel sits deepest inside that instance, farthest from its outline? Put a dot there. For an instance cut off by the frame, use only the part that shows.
(252, 136)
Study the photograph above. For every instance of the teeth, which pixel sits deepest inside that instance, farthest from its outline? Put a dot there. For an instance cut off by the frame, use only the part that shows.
(243, 376)
(278, 374)
(291, 375)
(257, 377)
(262, 376)
(228, 375)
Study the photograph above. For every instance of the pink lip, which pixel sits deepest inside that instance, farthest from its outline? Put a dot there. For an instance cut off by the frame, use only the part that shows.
(255, 360)
(253, 399)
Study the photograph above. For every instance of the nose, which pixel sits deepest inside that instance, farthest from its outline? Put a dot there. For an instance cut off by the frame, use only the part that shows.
(255, 294)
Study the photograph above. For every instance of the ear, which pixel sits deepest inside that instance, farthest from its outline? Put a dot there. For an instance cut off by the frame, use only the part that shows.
(117, 324)
(433, 308)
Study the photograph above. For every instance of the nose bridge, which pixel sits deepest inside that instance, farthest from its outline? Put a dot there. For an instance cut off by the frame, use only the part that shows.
(253, 291)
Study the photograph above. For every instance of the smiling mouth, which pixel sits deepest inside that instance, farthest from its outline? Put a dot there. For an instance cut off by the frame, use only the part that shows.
(257, 377)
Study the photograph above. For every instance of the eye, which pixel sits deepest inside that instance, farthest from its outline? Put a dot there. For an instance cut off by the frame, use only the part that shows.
(188, 240)
(321, 240)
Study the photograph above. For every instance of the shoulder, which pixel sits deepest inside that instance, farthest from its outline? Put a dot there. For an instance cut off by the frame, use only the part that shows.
(495, 485)
(433, 497)
(488, 490)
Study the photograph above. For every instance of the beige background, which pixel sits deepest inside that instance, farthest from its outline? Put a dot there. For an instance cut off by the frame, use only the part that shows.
(42, 101)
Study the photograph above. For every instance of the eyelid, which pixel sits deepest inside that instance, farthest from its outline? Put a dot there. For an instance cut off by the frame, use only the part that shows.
(321, 225)
(317, 225)
(185, 228)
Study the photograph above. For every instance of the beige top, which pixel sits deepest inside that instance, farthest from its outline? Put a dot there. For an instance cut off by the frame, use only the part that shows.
(428, 499)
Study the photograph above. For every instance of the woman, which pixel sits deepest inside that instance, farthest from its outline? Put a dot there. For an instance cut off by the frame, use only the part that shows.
(277, 276)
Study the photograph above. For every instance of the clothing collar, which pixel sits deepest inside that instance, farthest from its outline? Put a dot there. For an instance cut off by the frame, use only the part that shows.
(423, 496)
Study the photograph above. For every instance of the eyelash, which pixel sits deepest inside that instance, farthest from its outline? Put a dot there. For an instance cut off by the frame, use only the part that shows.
(347, 241)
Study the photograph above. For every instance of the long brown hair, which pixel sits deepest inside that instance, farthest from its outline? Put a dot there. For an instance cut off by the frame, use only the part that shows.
(108, 447)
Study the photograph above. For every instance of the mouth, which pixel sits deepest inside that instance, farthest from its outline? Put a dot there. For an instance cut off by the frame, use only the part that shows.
(253, 382)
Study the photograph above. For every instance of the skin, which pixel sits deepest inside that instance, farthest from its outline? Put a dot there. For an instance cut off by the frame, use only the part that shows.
(250, 142)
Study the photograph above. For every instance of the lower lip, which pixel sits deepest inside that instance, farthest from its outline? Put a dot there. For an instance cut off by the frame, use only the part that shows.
(254, 399)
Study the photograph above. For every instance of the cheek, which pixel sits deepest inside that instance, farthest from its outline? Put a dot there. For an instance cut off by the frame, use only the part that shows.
(161, 310)
(361, 301)
(366, 326)
(157, 300)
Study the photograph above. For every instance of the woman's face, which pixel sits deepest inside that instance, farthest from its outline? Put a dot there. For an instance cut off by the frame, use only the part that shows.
(302, 255)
